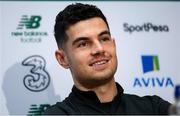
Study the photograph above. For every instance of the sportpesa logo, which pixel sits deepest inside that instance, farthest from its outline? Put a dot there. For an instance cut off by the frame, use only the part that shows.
(38, 78)
(146, 27)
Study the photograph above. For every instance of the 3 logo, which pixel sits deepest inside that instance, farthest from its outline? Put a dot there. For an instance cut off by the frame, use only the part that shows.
(38, 78)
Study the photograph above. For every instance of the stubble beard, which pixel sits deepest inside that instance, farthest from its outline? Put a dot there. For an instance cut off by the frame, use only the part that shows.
(90, 82)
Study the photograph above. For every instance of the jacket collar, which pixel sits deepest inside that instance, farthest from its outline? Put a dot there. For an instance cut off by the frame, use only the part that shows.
(90, 96)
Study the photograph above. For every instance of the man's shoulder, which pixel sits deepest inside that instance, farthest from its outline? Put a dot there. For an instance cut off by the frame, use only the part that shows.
(146, 98)
(152, 103)
(57, 108)
(61, 108)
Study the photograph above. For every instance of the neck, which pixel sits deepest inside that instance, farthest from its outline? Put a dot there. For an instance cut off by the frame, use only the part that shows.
(105, 92)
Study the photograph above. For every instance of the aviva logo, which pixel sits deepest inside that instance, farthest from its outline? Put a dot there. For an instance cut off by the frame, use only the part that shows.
(150, 63)
(31, 22)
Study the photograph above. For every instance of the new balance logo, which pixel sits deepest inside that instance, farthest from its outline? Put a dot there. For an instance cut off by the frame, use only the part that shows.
(31, 22)
(37, 109)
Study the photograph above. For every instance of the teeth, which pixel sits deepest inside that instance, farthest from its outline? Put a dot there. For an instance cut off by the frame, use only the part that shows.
(99, 63)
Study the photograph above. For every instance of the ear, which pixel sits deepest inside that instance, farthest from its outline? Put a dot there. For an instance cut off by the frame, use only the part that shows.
(62, 58)
(114, 42)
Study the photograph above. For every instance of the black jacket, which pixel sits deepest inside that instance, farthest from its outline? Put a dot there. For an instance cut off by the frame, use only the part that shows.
(80, 102)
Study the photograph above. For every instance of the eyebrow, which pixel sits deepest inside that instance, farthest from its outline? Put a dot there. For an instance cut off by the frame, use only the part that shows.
(104, 32)
(87, 38)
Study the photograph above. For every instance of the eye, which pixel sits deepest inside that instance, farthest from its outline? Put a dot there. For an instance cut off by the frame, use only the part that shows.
(82, 44)
(105, 39)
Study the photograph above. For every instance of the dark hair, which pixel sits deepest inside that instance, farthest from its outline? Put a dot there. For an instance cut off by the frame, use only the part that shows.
(71, 15)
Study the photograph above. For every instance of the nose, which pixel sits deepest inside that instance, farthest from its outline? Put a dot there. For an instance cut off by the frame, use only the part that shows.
(97, 48)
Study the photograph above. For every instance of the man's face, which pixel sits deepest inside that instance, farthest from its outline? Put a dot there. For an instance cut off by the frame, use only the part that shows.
(90, 52)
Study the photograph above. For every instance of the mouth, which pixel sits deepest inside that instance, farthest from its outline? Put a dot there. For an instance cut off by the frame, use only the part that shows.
(99, 64)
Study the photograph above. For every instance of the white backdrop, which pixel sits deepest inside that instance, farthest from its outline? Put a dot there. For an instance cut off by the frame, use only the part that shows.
(140, 29)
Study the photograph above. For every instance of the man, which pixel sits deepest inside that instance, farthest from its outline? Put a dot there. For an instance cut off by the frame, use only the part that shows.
(88, 50)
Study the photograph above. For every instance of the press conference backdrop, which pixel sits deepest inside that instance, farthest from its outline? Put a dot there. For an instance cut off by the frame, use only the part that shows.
(147, 35)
